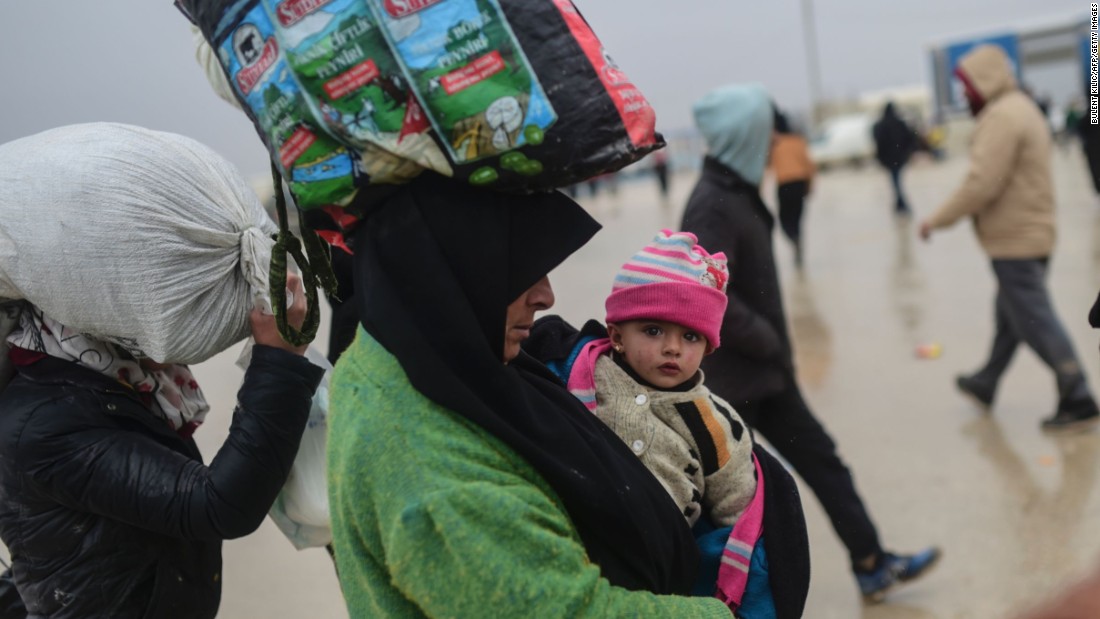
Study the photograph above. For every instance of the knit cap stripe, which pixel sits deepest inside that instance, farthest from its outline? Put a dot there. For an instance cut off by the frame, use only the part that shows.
(672, 254)
(625, 281)
(678, 241)
(671, 263)
(639, 271)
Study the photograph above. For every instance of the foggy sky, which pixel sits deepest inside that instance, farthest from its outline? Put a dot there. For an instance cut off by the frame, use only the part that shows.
(132, 61)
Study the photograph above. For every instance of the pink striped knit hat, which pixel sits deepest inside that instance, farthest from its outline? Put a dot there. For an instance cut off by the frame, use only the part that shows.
(675, 280)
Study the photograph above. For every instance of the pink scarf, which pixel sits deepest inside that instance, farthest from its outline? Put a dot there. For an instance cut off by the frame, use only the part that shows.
(170, 392)
(582, 376)
(733, 572)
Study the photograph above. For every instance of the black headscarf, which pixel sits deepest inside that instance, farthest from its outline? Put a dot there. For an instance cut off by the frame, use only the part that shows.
(437, 264)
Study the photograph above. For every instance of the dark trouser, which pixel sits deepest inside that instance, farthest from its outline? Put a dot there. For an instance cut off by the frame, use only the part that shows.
(790, 426)
(1025, 313)
(900, 205)
(791, 201)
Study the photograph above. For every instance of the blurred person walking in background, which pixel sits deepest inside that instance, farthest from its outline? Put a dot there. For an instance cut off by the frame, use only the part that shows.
(794, 172)
(660, 170)
(754, 369)
(895, 143)
(1009, 194)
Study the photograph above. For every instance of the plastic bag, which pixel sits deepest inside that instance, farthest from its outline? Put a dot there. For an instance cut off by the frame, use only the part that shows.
(517, 95)
(301, 510)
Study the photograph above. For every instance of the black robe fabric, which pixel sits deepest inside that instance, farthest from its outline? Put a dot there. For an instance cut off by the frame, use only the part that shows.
(437, 264)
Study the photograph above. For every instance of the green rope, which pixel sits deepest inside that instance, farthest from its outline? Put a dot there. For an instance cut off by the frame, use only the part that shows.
(320, 258)
(287, 243)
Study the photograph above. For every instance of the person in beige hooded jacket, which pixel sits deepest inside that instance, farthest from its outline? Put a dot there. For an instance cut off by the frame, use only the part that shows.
(1009, 196)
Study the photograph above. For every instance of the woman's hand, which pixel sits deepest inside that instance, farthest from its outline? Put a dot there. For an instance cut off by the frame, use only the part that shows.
(925, 231)
(264, 330)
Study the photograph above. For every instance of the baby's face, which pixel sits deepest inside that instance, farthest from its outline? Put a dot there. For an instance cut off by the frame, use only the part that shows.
(665, 354)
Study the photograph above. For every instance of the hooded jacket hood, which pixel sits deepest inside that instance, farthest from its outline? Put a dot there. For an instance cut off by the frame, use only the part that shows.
(987, 69)
(736, 122)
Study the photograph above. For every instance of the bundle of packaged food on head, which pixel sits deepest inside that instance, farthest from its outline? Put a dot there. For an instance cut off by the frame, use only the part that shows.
(515, 95)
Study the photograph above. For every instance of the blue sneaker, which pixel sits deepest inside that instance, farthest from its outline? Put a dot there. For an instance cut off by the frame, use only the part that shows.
(894, 569)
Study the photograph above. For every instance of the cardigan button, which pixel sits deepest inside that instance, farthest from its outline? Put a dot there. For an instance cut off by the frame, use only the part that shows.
(637, 446)
(111, 407)
(640, 399)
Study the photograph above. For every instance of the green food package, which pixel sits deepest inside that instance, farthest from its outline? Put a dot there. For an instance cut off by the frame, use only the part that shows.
(355, 87)
(318, 168)
(471, 74)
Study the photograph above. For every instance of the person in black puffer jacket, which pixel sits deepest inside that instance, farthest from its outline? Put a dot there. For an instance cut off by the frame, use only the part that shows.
(105, 503)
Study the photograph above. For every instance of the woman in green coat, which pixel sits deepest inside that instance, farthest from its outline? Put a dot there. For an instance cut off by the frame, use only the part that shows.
(465, 481)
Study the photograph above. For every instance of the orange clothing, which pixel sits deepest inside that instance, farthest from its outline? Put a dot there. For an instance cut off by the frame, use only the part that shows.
(790, 159)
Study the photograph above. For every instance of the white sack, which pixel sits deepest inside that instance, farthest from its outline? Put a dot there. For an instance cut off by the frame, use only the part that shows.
(147, 239)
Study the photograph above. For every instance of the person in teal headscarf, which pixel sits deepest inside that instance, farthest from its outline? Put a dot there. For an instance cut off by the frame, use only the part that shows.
(736, 122)
(754, 369)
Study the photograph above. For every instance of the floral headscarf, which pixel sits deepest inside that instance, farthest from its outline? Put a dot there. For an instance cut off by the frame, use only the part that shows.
(170, 391)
